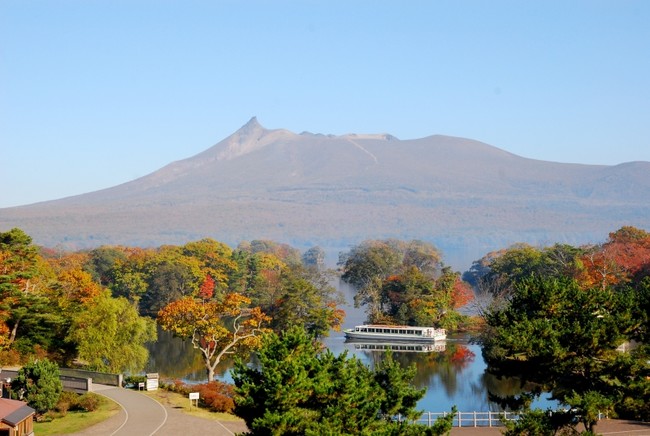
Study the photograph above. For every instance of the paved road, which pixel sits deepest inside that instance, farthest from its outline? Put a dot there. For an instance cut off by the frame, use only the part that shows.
(604, 427)
(143, 416)
(140, 415)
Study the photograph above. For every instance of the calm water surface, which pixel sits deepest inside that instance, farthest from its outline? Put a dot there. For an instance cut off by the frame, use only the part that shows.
(453, 374)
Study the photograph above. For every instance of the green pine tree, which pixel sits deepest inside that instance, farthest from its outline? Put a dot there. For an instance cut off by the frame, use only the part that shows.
(38, 383)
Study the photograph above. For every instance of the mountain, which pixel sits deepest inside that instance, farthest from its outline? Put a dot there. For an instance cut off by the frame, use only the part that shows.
(309, 189)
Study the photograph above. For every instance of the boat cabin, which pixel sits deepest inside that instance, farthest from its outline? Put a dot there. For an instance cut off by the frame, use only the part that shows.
(396, 330)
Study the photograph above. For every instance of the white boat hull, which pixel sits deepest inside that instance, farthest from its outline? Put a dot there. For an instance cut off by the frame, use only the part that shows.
(389, 337)
(435, 335)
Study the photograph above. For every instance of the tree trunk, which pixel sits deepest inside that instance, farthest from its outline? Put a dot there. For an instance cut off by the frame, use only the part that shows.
(210, 371)
(14, 331)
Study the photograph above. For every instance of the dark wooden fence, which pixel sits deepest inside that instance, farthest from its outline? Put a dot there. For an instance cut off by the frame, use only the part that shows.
(74, 380)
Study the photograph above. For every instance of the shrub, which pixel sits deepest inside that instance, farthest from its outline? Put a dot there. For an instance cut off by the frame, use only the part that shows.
(62, 407)
(133, 380)
(48, 416)
(89, 402)
(217, 396)
(70, 397)
(67, 401)
(179, 387)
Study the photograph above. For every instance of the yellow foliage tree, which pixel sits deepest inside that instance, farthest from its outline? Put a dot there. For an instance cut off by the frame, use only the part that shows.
(216, 328)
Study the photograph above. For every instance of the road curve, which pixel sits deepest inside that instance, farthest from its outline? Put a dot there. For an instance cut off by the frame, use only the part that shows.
(141, 415)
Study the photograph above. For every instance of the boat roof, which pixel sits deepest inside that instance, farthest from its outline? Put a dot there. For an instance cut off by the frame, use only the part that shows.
(386, 326)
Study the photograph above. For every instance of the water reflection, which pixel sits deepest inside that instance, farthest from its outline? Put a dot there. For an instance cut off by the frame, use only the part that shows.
(449, 372)
(397, 347)
(453, 373)
(177, 359)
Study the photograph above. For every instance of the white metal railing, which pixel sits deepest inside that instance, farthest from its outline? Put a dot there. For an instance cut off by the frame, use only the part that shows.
(474, 419)
(470, 419)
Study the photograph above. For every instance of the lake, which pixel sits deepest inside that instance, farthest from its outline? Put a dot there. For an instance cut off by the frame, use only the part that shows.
(453, 374)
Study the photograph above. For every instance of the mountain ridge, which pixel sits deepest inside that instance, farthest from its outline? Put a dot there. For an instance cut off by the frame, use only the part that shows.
(306, 189)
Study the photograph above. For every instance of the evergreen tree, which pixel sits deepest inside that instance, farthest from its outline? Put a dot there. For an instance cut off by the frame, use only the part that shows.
(38, 383)
(565, 339)
(297, 388)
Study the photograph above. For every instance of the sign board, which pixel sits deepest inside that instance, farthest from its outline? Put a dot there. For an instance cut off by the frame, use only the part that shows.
(194, 396)
(152, 383)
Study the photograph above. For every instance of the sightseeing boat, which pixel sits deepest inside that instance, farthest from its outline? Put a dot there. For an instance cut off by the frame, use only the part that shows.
(396, 332)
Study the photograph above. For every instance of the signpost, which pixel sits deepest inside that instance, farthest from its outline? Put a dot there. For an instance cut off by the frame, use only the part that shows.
(194, 396)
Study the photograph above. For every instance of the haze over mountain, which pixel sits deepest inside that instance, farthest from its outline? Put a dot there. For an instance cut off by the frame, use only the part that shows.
(309, 189)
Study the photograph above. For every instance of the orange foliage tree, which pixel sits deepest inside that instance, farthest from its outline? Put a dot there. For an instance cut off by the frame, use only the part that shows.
(621, 259)
(77, 286)
(216, 328)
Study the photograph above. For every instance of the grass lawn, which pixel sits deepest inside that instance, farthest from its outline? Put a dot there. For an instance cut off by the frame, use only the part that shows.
(182, 403)
(73, 422)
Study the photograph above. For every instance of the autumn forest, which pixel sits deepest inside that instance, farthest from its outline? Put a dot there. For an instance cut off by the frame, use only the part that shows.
(569, 320)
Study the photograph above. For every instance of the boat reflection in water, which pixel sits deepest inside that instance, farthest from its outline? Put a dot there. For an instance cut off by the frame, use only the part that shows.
(380, 332)
(396, 346)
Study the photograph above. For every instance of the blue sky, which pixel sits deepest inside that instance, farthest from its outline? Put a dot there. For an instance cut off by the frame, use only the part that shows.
(94, 93)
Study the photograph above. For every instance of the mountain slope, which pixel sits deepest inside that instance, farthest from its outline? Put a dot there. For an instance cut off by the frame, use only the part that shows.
(305, 189)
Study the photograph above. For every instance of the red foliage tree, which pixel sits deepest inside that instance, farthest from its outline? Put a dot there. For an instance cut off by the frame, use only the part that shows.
(623, 258)
(461, 293)
(206, 291)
